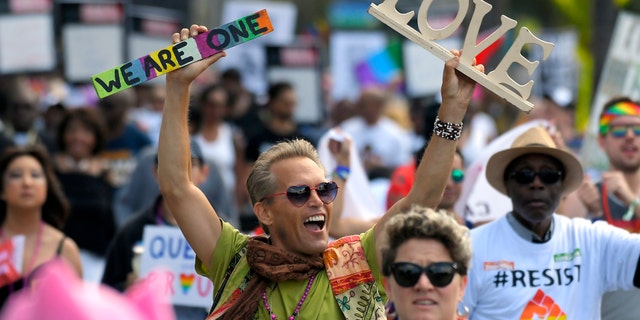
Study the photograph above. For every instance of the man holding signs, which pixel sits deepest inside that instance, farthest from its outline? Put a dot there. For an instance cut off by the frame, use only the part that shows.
(292, 272)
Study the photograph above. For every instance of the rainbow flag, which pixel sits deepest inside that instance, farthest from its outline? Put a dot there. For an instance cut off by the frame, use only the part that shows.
(381, 68)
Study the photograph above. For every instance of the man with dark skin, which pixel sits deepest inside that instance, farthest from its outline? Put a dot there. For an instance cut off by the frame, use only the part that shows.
(533, 263)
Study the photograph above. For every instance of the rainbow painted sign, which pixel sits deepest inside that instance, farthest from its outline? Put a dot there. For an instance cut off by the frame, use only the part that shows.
(181, 54)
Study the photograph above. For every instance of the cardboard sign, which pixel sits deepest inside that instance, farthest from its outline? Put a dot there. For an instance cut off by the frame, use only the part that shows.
(181, 54)
(498, 80)
(167, 255)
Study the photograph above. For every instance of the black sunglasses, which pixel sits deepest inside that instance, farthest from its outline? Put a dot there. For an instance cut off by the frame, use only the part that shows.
(527, 176)
(299, 195)
(440, 274)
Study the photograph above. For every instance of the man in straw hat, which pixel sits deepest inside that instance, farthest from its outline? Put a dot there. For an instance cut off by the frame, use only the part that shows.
(534, 264)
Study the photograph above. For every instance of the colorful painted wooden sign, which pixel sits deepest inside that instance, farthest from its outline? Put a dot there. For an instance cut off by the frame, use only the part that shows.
(498, 80)
(181, 54)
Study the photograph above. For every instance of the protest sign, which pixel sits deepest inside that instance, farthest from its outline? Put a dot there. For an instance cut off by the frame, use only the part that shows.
(498, 81)
(181, 54)
(11, 252)
(167, 255)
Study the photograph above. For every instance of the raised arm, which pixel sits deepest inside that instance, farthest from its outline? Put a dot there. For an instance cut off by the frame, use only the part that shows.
(434, 169)
(195, 216)
(343, 226)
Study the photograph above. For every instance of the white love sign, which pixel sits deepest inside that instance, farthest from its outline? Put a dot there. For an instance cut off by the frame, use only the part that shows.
(498, 80)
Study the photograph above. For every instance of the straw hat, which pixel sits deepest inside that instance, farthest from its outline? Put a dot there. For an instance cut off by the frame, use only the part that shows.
(535, 140)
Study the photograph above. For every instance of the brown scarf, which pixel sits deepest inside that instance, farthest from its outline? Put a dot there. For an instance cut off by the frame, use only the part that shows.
(270, 263)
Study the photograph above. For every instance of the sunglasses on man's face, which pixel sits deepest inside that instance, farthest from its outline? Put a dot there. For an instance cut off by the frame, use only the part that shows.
(620, 131)
(440, 274)
(299, 195)
(527, 176)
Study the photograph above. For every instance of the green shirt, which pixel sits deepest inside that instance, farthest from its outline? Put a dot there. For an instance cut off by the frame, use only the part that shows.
(283, 297)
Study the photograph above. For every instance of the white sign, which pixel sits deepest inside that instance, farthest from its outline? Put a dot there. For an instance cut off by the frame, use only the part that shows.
(166, 251)
(347, 50)
(422, 62)
(282, 15)
(90, 49)
(306, 84)
(27, 43)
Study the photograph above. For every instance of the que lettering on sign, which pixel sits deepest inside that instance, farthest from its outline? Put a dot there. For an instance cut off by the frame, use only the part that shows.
(181, 54)
(498, 80)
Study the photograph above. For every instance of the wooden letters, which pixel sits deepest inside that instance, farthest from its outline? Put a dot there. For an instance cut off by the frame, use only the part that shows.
(498, 80)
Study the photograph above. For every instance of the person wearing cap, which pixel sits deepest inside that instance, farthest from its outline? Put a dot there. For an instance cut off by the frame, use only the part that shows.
(619, 138)
(293, 272)
(533, 263)
(119, 270)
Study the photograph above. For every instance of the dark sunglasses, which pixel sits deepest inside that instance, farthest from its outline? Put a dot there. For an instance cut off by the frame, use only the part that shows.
(299, 195)
(457, 175)
(620, 131)
(527, 176)
(440, 274)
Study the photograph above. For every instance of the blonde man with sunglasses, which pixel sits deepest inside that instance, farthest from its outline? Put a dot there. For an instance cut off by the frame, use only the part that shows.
(292, 273)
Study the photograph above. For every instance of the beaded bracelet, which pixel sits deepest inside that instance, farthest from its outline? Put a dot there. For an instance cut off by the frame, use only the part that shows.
(447, 130)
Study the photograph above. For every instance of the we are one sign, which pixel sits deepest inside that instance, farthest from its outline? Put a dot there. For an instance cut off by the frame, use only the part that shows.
(181, 54)
(498, 80)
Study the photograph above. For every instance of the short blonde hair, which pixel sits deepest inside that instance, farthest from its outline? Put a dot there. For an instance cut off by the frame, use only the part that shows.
(261, 181)
(426, 223)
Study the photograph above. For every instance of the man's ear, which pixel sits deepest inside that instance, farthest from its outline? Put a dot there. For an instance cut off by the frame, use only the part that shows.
(263, 213)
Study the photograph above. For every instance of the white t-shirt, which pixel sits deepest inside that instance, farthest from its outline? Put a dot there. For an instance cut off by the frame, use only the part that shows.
(384, 139)
(222, 153)
(564, 278)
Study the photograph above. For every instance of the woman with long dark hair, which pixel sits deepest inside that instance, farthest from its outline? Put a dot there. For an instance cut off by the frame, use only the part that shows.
(32, 205)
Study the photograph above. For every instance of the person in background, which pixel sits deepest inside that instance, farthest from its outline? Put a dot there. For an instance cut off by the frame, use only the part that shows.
(425, 265)
(278, 124)
(402, 177)
(243, 108)
(124, 140)
(533, 263)
(382, 144)
(147, 118)
(85, 180)
(284, 274)
(221, 142)
(402, 180)
(119, 272)
(51, 118)
(142, 191)
(33, 205)
(615, 198)
(22, 113)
